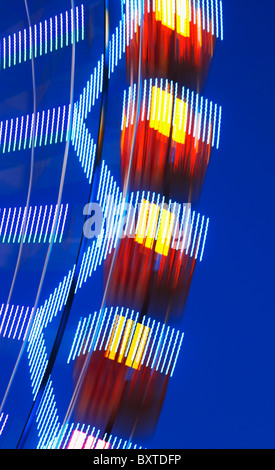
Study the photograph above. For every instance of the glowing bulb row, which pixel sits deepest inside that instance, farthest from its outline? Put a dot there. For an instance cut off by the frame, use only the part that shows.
(47, 36)
(118, 333)
(35, 224)
(206, 14)
(85, 437)
(166, 107)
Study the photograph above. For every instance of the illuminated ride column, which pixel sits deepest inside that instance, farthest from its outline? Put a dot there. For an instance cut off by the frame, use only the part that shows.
(174, 130)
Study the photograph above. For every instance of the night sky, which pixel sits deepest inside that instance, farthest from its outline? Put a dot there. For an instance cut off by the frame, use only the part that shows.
(224, 386)
(222, 392)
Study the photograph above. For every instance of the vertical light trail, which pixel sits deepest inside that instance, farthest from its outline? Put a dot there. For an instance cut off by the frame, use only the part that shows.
(9, 317)
(195, 235)
(205, 234)
(12, 223)
(172, 353)
(27, 224)
(15, 133)
(89, 334)
(177, 353)
(18, 323)
(221, 19)
(5, 137)
(205, 120)
(48, 223)
(6, 226)
(4, 53)
(209, 123)
(82, 22)
(77, 347)
(214, 125)
(22, 326)
(46, 36)
(4, 422)
(9, 46)
(219, 128)
(33, 219)
(167, 350)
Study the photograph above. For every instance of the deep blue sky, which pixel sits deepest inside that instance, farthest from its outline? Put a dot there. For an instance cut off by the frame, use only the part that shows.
(222, 393)
(224, 387)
